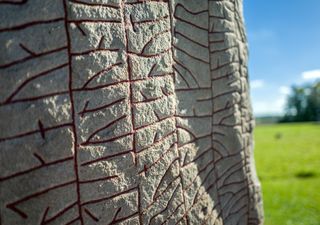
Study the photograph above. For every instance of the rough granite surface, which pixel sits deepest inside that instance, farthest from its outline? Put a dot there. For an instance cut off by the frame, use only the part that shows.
(125, 112)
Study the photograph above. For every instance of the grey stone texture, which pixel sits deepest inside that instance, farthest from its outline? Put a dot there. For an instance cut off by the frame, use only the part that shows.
(125, 112)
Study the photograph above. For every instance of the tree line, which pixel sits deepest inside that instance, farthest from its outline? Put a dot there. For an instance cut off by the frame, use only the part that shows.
(303, 103)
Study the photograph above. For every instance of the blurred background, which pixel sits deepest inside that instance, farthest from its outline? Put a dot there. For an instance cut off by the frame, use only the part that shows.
(284, 68)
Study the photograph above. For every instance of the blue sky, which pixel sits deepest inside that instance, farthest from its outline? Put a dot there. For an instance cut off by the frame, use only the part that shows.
(284, 49)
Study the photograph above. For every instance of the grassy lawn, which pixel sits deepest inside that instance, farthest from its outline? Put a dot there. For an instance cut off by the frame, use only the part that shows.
(288, 164)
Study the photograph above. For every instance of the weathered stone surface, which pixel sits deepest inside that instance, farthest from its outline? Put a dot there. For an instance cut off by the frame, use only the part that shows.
(125, 112)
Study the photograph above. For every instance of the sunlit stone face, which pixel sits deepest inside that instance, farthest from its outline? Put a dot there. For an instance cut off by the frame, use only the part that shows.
(125, 112)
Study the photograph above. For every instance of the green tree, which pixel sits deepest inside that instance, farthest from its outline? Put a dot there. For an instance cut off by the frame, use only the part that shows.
(303, 104)
(312, 110)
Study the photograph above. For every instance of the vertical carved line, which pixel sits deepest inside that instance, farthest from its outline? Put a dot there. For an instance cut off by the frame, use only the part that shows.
(171, 13)
(73, 125)
(218, 203)
(127, 24)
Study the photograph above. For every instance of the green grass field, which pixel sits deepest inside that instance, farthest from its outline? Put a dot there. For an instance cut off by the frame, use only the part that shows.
(288, 164)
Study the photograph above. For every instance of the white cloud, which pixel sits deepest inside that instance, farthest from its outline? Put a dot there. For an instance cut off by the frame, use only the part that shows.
(255, 84)
(311, 74)
(263, 108)
(284, 90)
(280, 103)
(271, 102)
